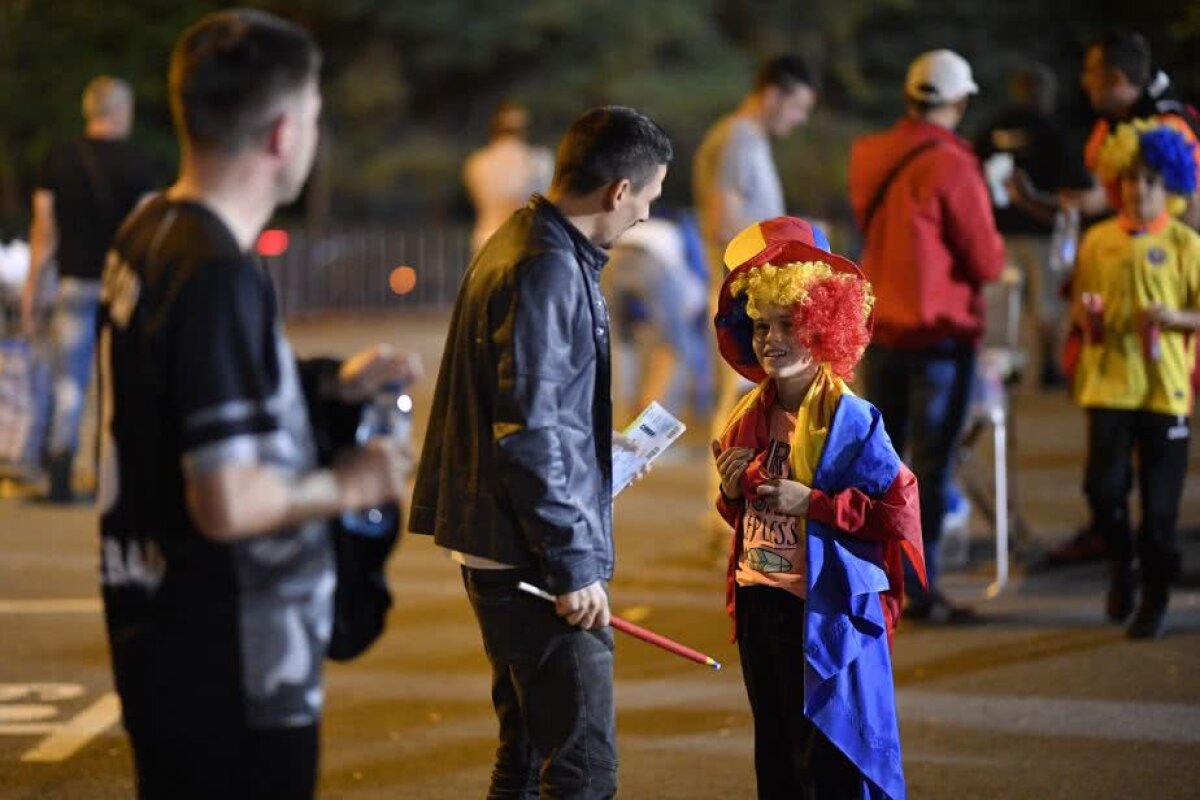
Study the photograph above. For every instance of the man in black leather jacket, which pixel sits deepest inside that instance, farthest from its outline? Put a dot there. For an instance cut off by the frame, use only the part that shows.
(515, 476)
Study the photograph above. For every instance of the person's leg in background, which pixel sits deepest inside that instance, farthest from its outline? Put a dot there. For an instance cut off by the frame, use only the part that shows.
(1046, 308)
(886, 376)
(885, 373)
(940, 395)
(662, 352)
(1108, 478)
(1162, 442)
(73, 336)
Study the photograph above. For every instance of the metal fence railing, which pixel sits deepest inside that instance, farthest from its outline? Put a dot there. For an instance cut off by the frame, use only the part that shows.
(351, 269)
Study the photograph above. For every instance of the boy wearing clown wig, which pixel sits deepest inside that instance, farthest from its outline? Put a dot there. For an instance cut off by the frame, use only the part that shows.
(822, 511)
(1136, 305)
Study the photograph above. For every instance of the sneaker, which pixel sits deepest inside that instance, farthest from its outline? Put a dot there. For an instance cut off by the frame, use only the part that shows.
(936, 609)
(1085, 546)
(1052, 377)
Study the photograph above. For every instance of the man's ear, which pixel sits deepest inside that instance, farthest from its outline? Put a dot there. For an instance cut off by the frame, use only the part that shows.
(280, 133)
(616, 192)
(770, 96)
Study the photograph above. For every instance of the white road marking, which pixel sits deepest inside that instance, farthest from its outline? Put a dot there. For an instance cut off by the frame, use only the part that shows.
(29, 729)
(62, 605)
(26, 712)
(70, 738)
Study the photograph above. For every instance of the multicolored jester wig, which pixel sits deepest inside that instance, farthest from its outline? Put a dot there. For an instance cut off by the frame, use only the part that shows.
(1158, 145)
(786, 262)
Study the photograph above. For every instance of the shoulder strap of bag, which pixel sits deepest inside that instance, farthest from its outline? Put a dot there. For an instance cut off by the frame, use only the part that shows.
(882, 191)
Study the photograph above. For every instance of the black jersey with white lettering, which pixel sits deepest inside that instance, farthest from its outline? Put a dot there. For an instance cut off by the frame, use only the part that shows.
(196, 376)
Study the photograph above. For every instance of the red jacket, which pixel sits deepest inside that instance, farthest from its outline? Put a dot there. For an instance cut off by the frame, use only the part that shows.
(933, 241)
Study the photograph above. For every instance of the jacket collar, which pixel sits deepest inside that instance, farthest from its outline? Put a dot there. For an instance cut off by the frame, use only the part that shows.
(588, 254)
(927, 130)
(1136, 227)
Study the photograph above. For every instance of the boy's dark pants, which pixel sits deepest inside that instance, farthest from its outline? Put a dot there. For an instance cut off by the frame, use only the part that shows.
(552, 687)
(1161, 443)
(792, 759)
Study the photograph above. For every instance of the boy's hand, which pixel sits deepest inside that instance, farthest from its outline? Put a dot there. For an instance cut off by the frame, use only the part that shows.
(731, 466)
(786, 497)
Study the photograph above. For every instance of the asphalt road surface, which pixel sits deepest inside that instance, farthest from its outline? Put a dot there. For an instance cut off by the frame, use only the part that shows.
(1044, 700)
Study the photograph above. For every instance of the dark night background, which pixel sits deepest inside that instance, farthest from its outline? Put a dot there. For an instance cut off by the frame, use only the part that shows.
(409, 85)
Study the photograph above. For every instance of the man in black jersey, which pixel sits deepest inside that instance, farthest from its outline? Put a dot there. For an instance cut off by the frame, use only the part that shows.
(85, 189)
(217, 566)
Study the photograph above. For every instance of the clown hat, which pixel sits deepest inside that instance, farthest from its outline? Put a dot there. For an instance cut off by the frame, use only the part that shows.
(779, 241)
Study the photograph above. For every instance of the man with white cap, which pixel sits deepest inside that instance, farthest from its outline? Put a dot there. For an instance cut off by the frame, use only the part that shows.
(930, 245)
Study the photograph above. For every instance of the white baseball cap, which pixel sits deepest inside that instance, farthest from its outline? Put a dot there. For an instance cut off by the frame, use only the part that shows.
(939, 76)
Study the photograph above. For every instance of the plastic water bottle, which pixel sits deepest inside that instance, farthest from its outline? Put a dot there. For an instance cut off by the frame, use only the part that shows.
(388, 415)
(1152, 341)
(1064, 241)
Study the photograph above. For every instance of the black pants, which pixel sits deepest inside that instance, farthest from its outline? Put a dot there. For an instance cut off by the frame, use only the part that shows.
(1161, 444)
(792, 759)
(278, 764)
(552, 688)
(924, 396)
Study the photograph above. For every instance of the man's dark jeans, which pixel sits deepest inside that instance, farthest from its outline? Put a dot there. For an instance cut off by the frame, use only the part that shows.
(924, 396)
(552, 687)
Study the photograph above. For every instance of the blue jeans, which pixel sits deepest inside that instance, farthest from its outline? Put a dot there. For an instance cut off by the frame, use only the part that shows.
(924, 396)
(73, 343)
(552, 688)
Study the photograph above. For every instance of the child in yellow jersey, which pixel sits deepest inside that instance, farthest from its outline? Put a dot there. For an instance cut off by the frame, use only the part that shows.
(1136, 299)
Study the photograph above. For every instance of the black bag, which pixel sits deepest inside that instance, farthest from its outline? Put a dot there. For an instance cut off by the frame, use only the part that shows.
(362, 598)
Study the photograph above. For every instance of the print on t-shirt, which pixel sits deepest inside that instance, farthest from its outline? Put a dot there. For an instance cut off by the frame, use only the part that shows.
(773, 552)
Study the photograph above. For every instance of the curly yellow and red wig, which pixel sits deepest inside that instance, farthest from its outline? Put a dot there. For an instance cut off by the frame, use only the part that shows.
(830, 309)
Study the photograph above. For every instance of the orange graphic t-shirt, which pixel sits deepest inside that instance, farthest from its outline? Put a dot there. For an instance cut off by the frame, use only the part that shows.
(773, 545)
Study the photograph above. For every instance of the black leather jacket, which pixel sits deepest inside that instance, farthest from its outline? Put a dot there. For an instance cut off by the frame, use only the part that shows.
(517, 462)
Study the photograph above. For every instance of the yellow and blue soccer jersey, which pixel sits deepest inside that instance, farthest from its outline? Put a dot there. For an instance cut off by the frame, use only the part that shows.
(1130, 272)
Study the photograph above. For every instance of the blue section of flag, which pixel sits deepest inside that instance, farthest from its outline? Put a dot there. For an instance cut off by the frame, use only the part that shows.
(848, 690)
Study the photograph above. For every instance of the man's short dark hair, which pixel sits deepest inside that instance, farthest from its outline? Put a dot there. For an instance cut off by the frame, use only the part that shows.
(229, 70)
(785, 72)
(607, 144)
(1127, 51)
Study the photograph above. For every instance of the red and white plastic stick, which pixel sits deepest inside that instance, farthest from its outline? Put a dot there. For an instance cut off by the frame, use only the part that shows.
(638, 632)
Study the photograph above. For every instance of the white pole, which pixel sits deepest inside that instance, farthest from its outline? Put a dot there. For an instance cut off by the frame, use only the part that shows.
(999, 426)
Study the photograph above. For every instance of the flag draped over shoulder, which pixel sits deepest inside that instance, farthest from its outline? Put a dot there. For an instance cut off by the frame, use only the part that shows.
(863, 519)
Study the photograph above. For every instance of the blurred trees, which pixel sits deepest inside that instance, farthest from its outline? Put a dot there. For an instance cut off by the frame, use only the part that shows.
(409, 85)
